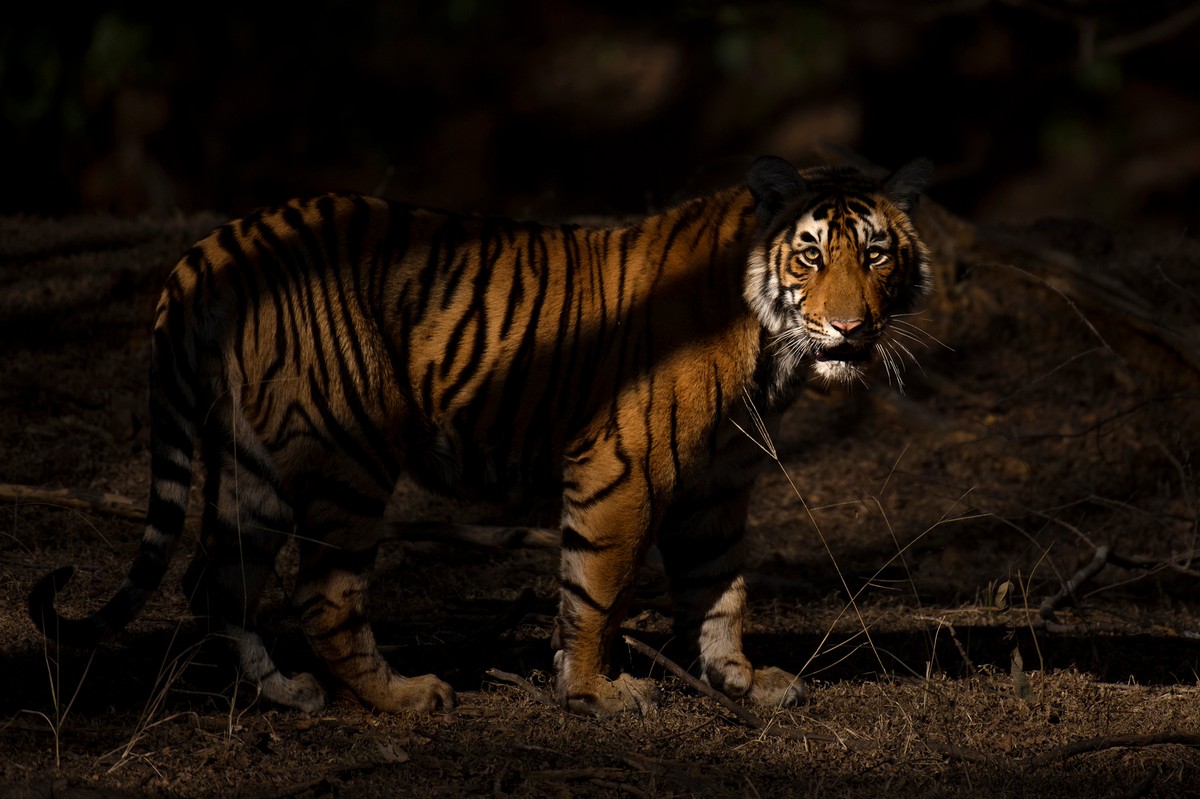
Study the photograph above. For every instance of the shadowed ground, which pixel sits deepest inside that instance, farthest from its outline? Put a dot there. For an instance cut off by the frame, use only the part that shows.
(1053, 409)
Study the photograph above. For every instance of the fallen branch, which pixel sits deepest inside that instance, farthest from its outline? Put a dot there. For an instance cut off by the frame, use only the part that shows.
(1067, 594)
(100, 502)
(524, 684)
(749, 717)
(744, 714)
(1060, 753)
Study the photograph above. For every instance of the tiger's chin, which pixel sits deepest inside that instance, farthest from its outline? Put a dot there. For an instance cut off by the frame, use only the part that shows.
(842, 364)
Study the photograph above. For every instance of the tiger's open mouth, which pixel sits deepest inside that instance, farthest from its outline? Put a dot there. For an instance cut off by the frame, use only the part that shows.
(847, 353)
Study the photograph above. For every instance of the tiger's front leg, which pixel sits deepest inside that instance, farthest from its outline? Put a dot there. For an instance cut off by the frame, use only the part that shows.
(605, 532)
(702, 548)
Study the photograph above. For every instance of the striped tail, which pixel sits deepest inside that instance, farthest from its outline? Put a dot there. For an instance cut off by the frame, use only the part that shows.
(173, 437)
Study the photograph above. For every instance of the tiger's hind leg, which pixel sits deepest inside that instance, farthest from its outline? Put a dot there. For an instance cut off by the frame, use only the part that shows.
(701, 543)
(245, 525)
(339, 539)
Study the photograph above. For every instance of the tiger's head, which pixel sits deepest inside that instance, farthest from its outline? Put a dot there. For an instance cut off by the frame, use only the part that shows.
(836, 258)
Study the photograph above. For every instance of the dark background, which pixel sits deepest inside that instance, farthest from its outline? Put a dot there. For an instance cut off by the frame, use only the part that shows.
(547, 109)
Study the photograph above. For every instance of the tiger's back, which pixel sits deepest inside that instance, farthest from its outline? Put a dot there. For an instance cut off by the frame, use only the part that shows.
(318, 350)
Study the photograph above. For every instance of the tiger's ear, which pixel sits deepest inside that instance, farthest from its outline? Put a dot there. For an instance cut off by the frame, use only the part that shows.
(773, 183)
(905, 185)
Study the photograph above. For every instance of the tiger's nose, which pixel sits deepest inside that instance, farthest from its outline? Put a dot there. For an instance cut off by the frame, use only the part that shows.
(849, 328)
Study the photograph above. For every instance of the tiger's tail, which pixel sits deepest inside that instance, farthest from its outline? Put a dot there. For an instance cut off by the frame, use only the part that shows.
(173, 444)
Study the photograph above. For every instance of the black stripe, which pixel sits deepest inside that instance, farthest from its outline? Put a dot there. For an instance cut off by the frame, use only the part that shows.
(296, 423)
(606, 490)
(718, 414)
(427, 389)
(516, 292)
(455, 265)
(576, 590)
(353, 623)
(573, 541)
(248, 462)
(650, 422)
(164, 468)
(308, 608)
(674, 437)
(713, 615)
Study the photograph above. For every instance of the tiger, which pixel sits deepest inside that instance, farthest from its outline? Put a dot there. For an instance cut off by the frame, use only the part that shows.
(312, 353)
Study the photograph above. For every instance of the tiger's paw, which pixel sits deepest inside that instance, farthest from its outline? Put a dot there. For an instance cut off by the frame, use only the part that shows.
(774, 688)
(604, 697)
(302, 692)
(423, 694)
(731, 675)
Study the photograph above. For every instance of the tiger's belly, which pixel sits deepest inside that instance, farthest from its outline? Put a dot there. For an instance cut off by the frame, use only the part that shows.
(494, 469)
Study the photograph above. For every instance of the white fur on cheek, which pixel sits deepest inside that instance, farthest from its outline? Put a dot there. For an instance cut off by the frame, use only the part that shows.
(761, 290)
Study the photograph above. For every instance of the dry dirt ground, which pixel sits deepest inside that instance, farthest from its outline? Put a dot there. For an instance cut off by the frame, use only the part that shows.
(1053, 411)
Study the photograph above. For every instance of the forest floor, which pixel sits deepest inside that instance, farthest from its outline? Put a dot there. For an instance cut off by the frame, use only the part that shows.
(1053, 414)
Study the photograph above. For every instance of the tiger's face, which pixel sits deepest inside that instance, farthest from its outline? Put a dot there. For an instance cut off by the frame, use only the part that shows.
(837, 258)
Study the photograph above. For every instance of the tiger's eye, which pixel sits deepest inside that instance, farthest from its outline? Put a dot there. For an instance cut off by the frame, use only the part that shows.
(811, 254)
(876, 256)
